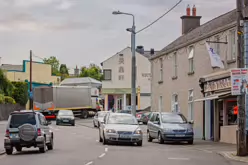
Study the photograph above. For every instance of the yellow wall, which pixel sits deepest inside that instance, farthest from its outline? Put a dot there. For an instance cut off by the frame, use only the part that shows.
(41, 74)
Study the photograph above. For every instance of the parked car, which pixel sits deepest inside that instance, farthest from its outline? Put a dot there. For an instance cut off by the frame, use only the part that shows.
(169, 127)
(28, 129)
(120, 127)
(138, 116)
(145, 117)
(98, 118)
(65, 117)
(125, 111)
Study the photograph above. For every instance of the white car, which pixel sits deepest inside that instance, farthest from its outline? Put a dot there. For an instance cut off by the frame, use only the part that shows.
(98, 118)
(120, 127)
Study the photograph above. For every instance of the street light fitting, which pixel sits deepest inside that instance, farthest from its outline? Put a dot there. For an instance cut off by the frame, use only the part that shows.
(116, 12)
(129, 30)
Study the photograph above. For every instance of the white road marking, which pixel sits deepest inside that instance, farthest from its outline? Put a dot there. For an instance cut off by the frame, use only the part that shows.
(106, 149)
(102, 155)
(89, 163)
(178, 158)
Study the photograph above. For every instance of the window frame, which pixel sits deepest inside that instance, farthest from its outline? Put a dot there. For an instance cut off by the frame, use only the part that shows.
(233, 44)
(161, 70)
(160, 103)
(175, 103)
(175, 66)
(191, 60)
(191, 104)
(104, 70)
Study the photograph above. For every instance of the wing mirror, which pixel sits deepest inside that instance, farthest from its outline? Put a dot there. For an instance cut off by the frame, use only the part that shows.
(191, 122)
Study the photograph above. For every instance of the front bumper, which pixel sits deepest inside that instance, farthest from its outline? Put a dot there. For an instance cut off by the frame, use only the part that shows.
(178, 137)
(9, 143)
(114, 137)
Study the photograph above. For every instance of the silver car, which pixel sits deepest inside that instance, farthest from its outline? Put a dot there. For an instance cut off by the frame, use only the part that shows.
(120, 127)
(169, 127)
(98, 118)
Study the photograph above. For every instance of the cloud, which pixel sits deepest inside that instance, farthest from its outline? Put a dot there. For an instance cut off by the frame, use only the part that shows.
(64, 5)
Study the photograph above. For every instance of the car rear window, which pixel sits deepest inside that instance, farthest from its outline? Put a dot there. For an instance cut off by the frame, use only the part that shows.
(19, 119)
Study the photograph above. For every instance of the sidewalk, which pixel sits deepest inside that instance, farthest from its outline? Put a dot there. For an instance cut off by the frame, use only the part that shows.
(232, 156)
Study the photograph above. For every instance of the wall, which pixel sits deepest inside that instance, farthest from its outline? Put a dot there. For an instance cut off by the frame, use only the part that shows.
(145, 101)
(6, 109)
(185, 82)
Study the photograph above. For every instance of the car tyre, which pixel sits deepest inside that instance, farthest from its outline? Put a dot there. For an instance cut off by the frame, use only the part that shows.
(140, 143)
(73, 124)
(50, 144)
(57, 123)
(98, 125)
(191, 142)
(105, 142)
(43, 149)
(160, 138)
(9, 151)
(100, 138)
(19, 148)
(149, 138)
(94, 124)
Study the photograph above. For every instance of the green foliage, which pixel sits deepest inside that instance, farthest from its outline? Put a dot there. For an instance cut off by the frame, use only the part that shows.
(63, 70)
(92, 71)
(2, 100)
(20, 93)
(6, 87)
(54, 62)
(9, 100)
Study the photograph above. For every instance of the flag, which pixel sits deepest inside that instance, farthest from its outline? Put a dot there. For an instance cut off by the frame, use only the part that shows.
(214, 58)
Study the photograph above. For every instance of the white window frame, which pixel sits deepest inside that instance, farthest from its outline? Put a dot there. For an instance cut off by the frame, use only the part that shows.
(160, 106)
(191, 104)
(175, 104)
(161, 69)
(175, 64)
(191, 59)
(232, 45)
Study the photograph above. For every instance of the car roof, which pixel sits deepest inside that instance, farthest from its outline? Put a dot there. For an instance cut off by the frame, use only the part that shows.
(121, 114)
(167, 113)
(25, 111)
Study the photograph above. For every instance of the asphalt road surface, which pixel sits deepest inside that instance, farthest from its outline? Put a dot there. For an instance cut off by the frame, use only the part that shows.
(79, 146)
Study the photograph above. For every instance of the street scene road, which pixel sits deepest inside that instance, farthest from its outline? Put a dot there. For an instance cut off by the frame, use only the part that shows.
(80, 145)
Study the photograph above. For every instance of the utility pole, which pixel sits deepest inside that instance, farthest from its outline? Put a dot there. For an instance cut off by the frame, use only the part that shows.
(241, 134)
(30, 80)
(133, 96)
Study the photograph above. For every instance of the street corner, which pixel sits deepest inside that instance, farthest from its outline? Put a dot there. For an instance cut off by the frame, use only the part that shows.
(232, 156)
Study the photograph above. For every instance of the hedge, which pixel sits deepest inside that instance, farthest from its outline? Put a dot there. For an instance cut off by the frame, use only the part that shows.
(20, 93)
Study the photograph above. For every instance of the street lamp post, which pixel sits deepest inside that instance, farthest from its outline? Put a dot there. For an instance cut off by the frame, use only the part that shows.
(133, 78)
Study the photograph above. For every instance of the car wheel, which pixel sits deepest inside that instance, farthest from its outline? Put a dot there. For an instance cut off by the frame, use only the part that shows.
(98, 125)
(57, 123)
(100, 138)
(160, 138)
(94, 124)
(9, 151)
(104, 141)
(191, 142)
(139, 143)
(50, 145)
(149, 138)
(43, 148)
(73, 124)
(19, 148)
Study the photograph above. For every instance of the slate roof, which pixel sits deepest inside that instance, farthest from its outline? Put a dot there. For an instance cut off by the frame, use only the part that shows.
(200, 32)
(80, 80)
(11, 67)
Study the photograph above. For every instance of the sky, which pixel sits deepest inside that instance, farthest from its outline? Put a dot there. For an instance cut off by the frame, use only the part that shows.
(80, 32)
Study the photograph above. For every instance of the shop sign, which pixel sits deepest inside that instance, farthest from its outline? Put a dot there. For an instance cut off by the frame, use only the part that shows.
(121, 67)
(147, 75)
(239, 78)
(217, 85)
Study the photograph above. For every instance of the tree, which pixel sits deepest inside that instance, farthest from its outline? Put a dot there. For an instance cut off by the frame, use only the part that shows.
(63, 71)
(6, 87)
(54, 62)
(92, 71)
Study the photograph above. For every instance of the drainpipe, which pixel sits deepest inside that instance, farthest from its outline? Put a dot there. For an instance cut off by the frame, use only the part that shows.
(201, 84)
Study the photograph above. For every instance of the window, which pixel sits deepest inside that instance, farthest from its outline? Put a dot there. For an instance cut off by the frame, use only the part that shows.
(121, 77)
(191, 59)
(217, 45)
(121, 69)
(232, 42)
(107, 74)
(175, 64)
(175, 107)
(160, 103)
(161, 69)
(190, 105)
(42, 120)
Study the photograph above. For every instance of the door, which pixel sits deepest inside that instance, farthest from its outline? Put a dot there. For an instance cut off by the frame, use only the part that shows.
(157, 125)
(102, 125)
(151, 125)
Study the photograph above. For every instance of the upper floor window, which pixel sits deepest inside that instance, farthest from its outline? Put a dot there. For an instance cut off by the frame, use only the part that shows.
(191, 59)
(107, 74)
(175, 65)
(160, 104)
(217, 45)
(161, 69)
(233, 47)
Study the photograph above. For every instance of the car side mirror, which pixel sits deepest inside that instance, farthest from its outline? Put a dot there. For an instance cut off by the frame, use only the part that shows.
(49, 122)
(191, 122)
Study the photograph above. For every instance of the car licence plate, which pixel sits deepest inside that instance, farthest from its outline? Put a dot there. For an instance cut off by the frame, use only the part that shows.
(125, 136)
(65, 120)
(13, 135)
(179, 135)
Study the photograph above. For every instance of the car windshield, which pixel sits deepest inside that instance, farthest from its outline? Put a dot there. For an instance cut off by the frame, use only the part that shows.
(18, 120)
(173, 118)
(102, 114)
(122, 119)
(65, 113)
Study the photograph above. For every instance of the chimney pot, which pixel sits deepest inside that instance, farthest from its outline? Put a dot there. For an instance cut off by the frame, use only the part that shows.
(194, 11)
(140, 49)
(152, 51)
(188, 10)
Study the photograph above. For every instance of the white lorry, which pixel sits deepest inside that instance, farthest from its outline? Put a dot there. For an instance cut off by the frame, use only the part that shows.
(84, 101)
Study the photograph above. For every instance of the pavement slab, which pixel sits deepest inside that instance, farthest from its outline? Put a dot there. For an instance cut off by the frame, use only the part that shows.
(233, 156)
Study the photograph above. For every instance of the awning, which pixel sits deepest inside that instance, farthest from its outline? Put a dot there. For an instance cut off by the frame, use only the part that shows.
(215, 96)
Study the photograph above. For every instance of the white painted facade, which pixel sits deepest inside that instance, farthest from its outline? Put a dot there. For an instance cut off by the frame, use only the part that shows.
(119, 82)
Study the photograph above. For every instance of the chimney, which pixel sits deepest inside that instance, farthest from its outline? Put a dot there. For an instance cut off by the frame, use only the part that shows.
(140, 49)
(190, 22)
(152, 51)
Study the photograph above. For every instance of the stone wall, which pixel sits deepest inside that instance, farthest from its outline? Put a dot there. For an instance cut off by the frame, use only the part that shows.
(6, 109)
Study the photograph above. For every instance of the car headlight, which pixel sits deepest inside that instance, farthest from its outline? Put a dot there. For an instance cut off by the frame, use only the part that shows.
(190, 130)
(58, 117)
(138, 132)
(167, 130)
(110, 131)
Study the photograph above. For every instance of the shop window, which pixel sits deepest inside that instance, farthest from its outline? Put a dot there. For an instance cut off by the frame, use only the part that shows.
(231, 112)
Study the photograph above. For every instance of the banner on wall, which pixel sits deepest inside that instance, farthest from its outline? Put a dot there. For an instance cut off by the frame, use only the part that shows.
(214, 57)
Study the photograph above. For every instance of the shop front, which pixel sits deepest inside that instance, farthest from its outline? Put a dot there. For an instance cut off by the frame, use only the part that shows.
(220, 108)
